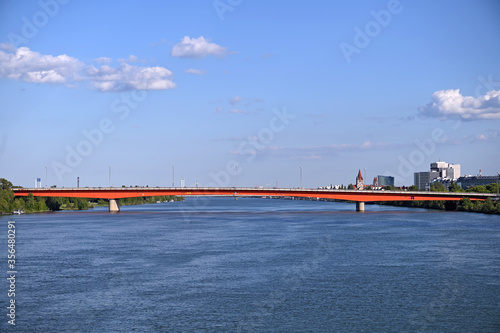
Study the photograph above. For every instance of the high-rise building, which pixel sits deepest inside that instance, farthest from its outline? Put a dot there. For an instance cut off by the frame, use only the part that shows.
(468, 181)
(385, 180)
(446, 171)
(422, 179)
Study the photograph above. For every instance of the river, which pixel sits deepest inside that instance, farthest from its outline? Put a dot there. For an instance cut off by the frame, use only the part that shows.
(254, 265)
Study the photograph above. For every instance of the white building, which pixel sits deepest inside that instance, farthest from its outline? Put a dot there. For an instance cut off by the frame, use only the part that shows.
(445, 172)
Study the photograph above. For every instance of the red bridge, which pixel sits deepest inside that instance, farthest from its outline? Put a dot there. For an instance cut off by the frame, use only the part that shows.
(113, 194)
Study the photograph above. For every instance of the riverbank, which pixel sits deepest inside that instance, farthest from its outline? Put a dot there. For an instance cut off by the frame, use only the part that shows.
(30, 204)
(465, 205)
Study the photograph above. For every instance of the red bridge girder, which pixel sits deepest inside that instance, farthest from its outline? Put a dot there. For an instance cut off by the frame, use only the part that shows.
(347, 195)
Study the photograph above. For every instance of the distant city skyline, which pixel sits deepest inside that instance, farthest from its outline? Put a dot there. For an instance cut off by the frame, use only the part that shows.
(248, 92)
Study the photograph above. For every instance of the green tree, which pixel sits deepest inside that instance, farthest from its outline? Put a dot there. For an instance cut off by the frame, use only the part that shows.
(18, 203)
(493, 188)
(30, 202)
(413, 188)
(4, 207)
(5, 184)
(454, 187)
(438, 187)
(7, 195)
(53, 203)
(478, 189)
(465, 205)
(488, 206)
(82, 204)
(40, 204)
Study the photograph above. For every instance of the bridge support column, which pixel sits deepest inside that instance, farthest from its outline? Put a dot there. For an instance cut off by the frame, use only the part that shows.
(114, 205)
(360, 206)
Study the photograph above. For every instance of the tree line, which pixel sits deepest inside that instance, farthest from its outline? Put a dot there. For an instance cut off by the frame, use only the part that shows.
(30, 204)
(465, 205)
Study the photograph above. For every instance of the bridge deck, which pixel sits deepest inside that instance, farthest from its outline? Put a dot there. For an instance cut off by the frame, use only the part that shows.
(349, 195)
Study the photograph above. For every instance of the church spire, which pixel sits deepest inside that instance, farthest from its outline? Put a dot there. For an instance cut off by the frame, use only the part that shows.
(359, 181)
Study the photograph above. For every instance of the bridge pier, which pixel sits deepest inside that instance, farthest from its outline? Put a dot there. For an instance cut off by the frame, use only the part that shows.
(360, 206)
(114, 205)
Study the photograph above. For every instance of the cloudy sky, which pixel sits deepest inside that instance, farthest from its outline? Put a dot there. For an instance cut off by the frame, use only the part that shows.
(257, 89)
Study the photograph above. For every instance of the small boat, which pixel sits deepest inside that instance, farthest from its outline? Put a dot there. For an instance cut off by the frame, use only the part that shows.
(18, 211)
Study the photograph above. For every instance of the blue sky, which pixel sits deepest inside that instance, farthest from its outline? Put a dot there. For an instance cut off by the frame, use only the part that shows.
(254, 88)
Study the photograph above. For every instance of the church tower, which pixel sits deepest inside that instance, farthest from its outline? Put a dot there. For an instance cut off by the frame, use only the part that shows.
(359, 181)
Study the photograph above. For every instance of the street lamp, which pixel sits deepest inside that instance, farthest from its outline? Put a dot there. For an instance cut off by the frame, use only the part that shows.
(300, 177)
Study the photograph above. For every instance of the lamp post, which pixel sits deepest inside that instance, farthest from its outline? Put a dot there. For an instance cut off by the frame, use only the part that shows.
(300, 177)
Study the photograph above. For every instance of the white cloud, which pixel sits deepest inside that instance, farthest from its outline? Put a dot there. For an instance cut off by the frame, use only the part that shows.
(29, 66)
(451, 103)
(238, 111)
(127, 77)
(7, 47)
(197, 48)
(248, 101)
(159, 43)
(318, 152)
(132, 58)
(26, 65)
(103, 60)
(235, 100)
(195, 71)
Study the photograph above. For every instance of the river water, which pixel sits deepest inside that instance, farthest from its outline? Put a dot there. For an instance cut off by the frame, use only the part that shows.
(254, 265)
